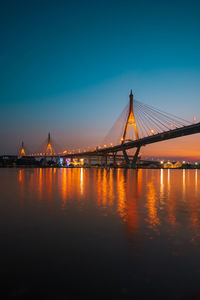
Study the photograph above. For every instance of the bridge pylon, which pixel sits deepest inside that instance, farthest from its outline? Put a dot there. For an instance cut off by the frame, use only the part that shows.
(22, 151)
(49, 148)
(130, 120)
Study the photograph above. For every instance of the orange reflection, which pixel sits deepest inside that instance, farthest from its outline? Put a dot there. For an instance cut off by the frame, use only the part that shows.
(81, 182)
(133, 195)
(121, 194)
(111, 190)
(171, 202)
(161, 187)
(21, 176)
(196, 181)
(194, 218)
(64, 186)
(134, 188)
(99, 188)
(48, 176)
(105, 189)
(40, 183)
(184, 184)
(168, 179)
(153, 219)
(22, 185)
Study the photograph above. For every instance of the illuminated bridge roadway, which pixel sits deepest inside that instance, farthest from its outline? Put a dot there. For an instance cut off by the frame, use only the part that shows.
(167, 135)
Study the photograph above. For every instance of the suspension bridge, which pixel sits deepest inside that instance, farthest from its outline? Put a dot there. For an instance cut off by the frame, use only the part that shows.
(138, 125)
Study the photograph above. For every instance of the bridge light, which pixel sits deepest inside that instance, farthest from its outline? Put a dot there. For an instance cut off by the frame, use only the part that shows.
(152, 131)
(162, 162)
(195, 118)
(122, 139)
(111, 144)
(105, 146)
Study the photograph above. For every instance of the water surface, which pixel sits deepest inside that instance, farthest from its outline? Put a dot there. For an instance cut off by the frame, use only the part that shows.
(74, 233)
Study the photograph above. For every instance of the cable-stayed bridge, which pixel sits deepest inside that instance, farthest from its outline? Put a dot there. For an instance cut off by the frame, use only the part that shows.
(138, 125)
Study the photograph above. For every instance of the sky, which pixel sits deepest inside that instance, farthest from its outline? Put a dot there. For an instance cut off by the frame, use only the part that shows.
(68, 67)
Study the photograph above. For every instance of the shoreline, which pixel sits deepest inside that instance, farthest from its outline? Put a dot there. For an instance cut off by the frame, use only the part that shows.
(98, 167)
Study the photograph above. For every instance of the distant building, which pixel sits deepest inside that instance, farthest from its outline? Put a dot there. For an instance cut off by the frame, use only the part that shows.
(172, 165)
(178, 164)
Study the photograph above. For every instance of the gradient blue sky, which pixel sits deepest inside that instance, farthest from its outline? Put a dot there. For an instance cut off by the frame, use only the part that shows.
(68, 66)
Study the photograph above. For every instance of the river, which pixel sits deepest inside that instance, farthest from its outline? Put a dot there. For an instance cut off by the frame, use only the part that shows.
(100, 234)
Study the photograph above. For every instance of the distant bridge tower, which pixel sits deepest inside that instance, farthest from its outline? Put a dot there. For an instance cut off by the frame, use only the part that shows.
(49, 148)
(22, 151)
(130, 120)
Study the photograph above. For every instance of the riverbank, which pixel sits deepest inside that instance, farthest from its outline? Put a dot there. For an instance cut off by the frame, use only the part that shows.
(29, 162)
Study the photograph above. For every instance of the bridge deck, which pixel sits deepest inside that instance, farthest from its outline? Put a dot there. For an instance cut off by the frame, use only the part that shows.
(167, 135)
(109, 151)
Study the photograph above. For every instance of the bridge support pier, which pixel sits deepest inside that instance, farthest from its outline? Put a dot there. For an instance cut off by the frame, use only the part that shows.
(106, 160)
(44, 163)
(64, 161)
(126, 158)
(129, 163)
(135, 158)
(89, 161)
(114, 159)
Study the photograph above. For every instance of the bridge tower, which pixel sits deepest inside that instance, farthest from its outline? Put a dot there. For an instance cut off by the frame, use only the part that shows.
(130, 120)
(22, 151)
(49, 148)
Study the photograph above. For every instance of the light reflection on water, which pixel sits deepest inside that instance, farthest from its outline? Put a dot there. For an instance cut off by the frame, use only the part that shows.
(129, 218)
(136, 196)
